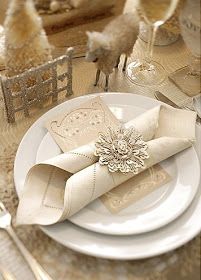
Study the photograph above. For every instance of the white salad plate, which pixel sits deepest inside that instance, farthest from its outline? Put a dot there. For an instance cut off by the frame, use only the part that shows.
(138, 246)
(149, 213)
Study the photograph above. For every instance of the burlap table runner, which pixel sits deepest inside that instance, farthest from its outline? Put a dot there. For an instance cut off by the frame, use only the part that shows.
(63, 263)
(74, 34)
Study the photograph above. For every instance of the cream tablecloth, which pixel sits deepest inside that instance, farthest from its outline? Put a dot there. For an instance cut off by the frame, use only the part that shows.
(63, 263)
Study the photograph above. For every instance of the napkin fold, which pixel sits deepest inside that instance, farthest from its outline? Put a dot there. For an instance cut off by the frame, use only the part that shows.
(58, 188)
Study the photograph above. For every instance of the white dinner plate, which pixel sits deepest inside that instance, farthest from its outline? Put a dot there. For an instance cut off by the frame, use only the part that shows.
(149, 213)
(115, 247)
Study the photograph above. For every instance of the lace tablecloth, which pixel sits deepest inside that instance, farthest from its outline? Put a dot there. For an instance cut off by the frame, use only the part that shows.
(63, 263)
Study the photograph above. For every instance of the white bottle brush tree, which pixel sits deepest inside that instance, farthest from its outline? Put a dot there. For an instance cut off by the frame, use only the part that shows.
(26, 44)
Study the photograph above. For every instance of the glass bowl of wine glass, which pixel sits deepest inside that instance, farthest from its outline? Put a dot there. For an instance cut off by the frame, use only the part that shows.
(147, 72)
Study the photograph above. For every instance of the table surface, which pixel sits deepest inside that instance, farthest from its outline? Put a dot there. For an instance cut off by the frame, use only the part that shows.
(63, 263)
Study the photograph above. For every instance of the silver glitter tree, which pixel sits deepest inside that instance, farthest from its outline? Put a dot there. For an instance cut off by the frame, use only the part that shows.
(26, 44)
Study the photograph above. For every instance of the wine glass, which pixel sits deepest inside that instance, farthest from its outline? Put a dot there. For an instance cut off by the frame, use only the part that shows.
(188, 78)
(147, 72)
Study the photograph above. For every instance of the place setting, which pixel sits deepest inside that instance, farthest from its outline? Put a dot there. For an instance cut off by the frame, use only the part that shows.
(101, 148)
(137, 209)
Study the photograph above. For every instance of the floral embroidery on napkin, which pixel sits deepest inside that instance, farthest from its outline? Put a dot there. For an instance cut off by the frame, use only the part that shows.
(81, 125)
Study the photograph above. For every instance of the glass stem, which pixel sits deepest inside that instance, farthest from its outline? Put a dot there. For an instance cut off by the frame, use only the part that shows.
(152, 35)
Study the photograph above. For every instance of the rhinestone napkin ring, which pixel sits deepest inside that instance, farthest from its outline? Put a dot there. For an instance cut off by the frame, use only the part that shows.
(121, 150)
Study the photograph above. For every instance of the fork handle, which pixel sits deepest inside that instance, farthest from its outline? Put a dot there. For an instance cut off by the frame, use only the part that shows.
(38, 271)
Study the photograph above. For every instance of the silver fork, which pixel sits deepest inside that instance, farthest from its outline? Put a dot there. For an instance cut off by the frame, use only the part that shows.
(161, 97)
(6, 223)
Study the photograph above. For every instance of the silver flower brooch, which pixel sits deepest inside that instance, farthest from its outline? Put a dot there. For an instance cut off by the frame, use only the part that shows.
(121, 150)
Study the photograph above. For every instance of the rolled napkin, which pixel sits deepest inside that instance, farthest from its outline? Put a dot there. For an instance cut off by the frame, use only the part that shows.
(58, 188)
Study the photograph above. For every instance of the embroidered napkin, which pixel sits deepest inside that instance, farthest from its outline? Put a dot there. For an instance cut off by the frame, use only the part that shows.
(135, 189)
(81, 125)
(53, 194)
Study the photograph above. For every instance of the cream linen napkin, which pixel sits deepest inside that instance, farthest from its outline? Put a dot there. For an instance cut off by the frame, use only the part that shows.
(52, 193)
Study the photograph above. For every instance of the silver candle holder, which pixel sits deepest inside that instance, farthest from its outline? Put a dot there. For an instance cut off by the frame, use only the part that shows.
(18, 87)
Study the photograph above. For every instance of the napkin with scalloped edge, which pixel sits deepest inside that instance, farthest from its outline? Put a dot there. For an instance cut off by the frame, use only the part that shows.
(58, 188)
